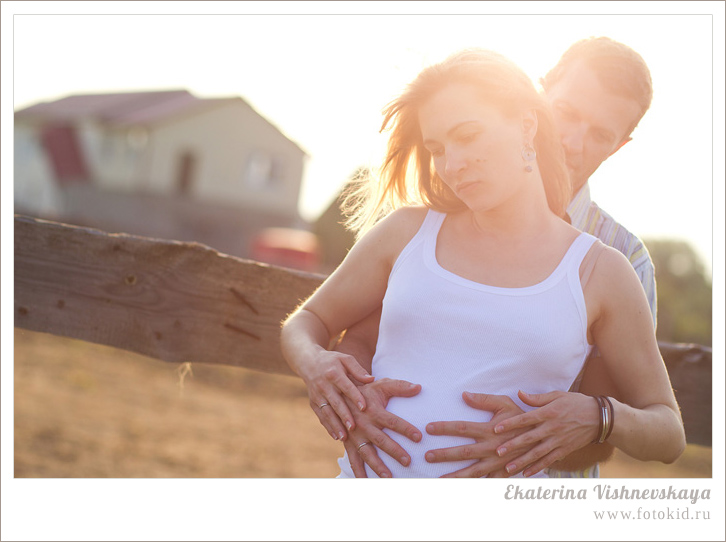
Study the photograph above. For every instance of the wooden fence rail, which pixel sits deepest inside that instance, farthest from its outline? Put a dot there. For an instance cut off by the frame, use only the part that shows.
(185, 302)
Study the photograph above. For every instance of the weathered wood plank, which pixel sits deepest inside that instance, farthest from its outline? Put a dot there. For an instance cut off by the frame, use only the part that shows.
(183, 302)
(167, 300)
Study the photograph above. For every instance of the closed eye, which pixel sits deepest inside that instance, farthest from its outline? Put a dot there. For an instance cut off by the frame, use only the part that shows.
(467, 138)
(603, 136)
(566, 113)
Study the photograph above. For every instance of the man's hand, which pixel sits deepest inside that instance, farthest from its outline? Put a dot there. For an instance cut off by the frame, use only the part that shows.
(369, 425)
(563, 423)
(484, 449)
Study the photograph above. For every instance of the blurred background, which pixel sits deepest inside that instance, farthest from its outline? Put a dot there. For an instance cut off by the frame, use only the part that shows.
(239, 132)
(199, 124)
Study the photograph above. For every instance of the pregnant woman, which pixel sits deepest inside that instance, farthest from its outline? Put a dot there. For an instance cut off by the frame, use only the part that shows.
(484, 286)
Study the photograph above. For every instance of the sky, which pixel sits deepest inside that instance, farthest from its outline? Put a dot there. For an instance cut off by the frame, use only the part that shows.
(322, 72)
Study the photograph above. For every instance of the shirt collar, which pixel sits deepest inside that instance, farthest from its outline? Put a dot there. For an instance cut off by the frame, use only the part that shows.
(579, 204)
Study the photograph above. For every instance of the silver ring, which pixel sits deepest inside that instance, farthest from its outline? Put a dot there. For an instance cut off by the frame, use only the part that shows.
(323, 405)
(362, 444)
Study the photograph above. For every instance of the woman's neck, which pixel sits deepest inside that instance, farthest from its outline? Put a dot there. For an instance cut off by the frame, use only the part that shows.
(526, 213)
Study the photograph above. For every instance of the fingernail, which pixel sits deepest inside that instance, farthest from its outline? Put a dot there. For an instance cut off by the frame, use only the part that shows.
(336, 437)
(385, 475)
(499, 429)
(405, 461)
(509, 468)
(527, 474)
(417, 436)
(349, 425)
(501, 451)
(429, 428)
(429, 457)
(341, 435)
(361, 406)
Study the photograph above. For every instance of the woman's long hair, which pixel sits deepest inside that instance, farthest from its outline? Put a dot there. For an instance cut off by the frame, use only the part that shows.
(407, 176)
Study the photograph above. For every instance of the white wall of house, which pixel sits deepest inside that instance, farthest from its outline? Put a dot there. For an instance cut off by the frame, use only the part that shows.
(35, 191)
(90, 135)
(237, 158)
(234, 158)
(115, 155)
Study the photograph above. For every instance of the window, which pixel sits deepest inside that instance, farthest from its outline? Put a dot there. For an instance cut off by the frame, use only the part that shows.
(186, 166)
(258, 173)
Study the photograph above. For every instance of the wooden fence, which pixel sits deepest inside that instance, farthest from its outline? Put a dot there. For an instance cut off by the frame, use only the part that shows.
(185, 302)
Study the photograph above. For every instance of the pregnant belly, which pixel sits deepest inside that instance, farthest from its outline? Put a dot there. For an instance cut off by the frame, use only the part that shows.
(430, 405)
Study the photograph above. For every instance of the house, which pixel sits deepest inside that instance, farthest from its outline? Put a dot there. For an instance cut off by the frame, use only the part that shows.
(158, 163)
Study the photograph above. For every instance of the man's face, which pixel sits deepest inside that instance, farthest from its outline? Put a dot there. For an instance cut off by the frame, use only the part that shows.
(593, 122)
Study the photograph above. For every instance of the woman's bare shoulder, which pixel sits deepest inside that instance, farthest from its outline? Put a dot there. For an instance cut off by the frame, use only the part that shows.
(613, 261)
(393, 232)
(401, 223)
(614, 274)
(410, 216)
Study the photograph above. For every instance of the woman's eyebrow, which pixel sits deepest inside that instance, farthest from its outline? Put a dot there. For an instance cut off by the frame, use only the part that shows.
(452, 130)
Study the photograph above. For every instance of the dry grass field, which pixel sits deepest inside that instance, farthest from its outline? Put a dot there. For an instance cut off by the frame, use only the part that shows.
(89, 411)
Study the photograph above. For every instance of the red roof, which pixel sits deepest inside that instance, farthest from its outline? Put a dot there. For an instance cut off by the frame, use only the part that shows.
(125, 108)
(118, 108)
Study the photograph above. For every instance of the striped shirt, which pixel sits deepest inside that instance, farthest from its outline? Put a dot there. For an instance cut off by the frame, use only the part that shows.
(586, 216)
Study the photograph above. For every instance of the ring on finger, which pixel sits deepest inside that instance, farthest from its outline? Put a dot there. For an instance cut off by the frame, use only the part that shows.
(362, 444)
(323, 405)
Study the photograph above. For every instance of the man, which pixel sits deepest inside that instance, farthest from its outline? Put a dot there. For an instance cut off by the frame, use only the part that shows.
(598, 91)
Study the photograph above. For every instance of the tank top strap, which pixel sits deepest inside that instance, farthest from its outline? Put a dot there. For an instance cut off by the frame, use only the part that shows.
(432, 223)
(589, 261)
(578, 250)
(427, 232)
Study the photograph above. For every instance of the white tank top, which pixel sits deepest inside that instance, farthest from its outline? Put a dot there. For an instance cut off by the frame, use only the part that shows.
(451, 335)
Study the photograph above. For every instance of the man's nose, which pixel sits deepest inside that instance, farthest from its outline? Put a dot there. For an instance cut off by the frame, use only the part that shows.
(574, 139)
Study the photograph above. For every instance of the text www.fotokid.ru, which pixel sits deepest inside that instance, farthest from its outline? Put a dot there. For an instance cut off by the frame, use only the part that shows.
(646, 514)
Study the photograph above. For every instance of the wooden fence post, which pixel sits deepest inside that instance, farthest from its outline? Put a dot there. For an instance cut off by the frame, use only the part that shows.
(167, 300)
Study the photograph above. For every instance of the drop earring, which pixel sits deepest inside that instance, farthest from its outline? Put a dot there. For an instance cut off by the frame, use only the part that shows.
(528, 154)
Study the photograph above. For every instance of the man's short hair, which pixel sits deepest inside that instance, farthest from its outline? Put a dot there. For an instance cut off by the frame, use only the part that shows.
(620, 70)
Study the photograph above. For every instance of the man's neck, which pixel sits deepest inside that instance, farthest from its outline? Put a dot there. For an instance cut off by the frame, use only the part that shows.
(578, 187)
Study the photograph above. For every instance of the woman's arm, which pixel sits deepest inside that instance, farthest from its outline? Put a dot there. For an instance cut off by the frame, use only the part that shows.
(647, 421)
(360, 342)
(352, 292)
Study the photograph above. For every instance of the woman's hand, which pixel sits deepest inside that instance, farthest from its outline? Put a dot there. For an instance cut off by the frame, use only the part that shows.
(484, 449)
(370, 424)
(563, 423)
(331, 380)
